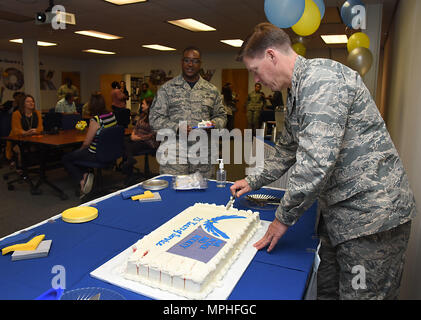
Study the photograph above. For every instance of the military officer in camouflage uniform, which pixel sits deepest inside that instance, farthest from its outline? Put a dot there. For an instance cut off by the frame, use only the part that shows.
(180, 105)
(341, 154)
(254, 105)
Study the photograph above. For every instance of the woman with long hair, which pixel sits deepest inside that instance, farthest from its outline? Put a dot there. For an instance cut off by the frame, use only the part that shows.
(87, 152)
(26, 121)
(142, 137)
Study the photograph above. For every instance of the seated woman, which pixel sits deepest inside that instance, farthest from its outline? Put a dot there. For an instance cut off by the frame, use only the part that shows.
(142, 137)
(101, 119)
(26, 121)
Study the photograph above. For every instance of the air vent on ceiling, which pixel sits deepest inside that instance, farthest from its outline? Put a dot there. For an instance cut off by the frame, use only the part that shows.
(68, 18)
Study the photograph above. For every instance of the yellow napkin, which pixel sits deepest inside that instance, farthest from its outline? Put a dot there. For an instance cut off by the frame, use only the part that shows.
(30, 245)
(146, 195)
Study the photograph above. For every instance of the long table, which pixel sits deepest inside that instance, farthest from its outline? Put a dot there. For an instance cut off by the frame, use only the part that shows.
(48, 143)
(78, 249)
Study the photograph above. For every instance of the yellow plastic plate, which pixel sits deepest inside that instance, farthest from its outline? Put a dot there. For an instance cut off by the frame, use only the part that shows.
(79, 214)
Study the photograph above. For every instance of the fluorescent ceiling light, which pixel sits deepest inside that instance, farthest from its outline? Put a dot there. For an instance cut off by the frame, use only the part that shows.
(158, 47)
(45, 44)
(39, 43)
(98, 51)
(122, 2)
(191, 24)
(335, 39)
(233, 42)
(97, 34)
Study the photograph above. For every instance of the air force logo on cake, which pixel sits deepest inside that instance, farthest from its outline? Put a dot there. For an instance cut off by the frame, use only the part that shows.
(200, 245)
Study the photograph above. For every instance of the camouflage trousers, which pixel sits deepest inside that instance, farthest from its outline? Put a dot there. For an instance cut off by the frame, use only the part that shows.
(364, 268)
(253, 119)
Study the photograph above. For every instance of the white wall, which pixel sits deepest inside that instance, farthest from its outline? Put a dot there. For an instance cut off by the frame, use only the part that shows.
(403, 120)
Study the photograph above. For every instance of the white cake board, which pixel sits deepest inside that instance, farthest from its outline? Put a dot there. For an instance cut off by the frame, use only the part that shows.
(112, 272)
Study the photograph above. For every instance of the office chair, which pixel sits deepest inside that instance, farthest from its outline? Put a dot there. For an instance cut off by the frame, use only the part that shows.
(5, 127)
(68, 121)
(110, 147)
(30, 164)
(123, 117)
(268, 129)
(52, 121)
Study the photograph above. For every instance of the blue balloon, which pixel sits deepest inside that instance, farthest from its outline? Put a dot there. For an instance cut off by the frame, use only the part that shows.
(346, 11)
(284, 13)
(321, 6)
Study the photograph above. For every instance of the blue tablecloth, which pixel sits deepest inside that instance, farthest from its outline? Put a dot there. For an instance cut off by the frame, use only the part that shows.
(79, 249)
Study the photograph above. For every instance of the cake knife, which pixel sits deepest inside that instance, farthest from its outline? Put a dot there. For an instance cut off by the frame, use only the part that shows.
(230, 203)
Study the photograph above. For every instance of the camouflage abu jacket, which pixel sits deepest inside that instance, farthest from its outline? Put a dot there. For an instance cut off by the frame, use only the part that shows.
(341, 154)
(176, 101)
(255, 101)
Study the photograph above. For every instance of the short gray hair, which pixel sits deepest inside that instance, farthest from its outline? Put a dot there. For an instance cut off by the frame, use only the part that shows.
(264, 35)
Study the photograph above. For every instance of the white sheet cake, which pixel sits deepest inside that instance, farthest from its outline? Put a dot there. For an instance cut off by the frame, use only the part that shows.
(190, 254)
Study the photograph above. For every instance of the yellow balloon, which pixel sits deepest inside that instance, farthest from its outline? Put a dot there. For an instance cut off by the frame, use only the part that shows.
(299, 48)
(358, 40)
(309, 21)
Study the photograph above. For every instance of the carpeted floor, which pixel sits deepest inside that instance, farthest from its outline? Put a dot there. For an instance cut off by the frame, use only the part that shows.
(20, 209)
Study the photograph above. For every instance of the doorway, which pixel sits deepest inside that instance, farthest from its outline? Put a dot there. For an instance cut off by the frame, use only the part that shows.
(105, 86)
(239, 82)
(75, 77)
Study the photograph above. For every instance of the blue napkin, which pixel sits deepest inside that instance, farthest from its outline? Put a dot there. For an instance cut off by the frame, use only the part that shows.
(132, 192)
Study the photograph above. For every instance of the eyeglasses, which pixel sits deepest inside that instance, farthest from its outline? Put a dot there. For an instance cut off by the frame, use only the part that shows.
(188, 60)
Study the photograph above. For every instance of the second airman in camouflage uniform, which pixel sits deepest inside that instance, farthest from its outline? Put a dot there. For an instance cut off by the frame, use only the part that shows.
(254, 105)
(341, 154)
(181, 104)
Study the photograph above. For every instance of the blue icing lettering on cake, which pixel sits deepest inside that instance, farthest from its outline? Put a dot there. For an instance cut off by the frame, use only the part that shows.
(189, 254)
(179, 232)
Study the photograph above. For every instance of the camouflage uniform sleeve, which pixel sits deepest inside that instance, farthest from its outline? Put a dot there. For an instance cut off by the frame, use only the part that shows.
(322, 112)
(276, 163)
(159, 117)
(219, 114)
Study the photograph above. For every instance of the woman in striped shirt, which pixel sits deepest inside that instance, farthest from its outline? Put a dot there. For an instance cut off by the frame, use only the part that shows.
(87, 152)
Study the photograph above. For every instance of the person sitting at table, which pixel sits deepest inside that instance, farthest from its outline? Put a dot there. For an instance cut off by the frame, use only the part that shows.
(101, 119)
(142, 137)
(26, 121)
(66, 105)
